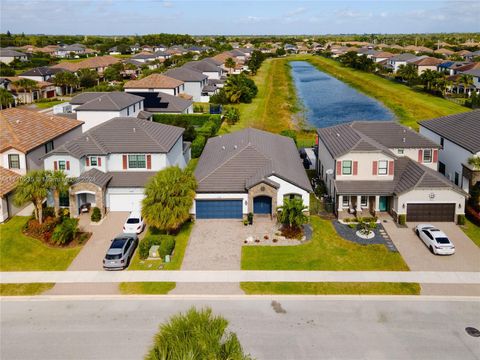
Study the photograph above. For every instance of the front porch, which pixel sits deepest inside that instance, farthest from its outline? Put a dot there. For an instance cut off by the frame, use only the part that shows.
(352, 206)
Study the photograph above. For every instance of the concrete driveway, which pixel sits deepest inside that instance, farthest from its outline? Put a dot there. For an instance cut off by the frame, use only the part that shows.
(418, 256)
(92, 254)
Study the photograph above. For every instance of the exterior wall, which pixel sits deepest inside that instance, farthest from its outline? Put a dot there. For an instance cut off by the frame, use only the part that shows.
(194, 89)
(212, 75)
(172, 91)
(226, 196)
(325, 162)
(36, 78)
(421, 69)
(23, 161)
(263, 189)
(413, 154)
(8, 208)
(103, 161)
(75, 166)
(115, 163)
(442, 196)
(175, 156)
(287, 188)
(188, 110)
(94, 118)
(75, 189)
(3, 209)
(365, 166)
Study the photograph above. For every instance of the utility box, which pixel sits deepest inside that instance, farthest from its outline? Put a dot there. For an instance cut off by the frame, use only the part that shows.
(153, 252)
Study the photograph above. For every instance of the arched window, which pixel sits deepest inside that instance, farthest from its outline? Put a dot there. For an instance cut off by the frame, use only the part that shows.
(292, 196)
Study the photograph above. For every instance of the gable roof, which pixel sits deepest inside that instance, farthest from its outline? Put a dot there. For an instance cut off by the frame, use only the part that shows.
(463, 129)
(185, 74)
(427, 61)
(41, 71)
(123, 135)
(8, 181)
(156, 81)
(238, 161)
(25, 130)
(104, 101)
(89, 63)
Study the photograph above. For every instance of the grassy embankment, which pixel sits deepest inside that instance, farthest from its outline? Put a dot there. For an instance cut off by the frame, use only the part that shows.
(472, 231)
(22, 253)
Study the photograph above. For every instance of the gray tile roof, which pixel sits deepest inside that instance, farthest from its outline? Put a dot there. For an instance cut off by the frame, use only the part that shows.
(203, 66)
(473, 72)
(39, 71)
(364, 187)
(10, 53)
(213, 61)
(237, 161)
(403, 57)
(123, 135)
(185, 74)
(129, 178)
(94, 176)
(105, 101)
(463, 129)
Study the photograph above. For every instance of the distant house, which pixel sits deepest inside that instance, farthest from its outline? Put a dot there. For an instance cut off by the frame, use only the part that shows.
(381, 56)
(68, 50)
(401, 59)
(418, 49)
(369, 53)
(42, 90)
(95, 108)
(444, 52)
(475, 74)
(160, 102)
(290, 48)
(9, 55)
(43, 73)
(194, 81)
(160, 47)
(465, 54)
(114, 51)
(156, 83)
(97, 63)
(25, 137)
(144, 57)
(425, 63)
(206, 67)
(450, 67)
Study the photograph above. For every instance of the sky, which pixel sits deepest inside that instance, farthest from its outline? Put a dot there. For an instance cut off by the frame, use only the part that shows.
(234, 17)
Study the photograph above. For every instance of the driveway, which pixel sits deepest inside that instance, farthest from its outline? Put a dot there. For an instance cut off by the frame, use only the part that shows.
(92, 254)
(418, 256)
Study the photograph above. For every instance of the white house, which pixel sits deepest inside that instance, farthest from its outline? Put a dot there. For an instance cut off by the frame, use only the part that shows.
(112, 162)
(207, 67)
(459, 138)
(9, 55)
(374, 167)
(94, 108)
(156, 83)
(194, 81)
(43, 73)
(248, 171)
(401, 59)
(26, 136)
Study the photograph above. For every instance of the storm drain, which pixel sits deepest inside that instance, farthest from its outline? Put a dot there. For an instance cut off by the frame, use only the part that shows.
(472, 331)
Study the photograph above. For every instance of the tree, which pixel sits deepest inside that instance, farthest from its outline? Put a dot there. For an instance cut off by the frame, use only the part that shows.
(239, 88)
(230, 64)
(114, 72)
(280, 52)
(408, 73)
(33, 187)
(57, 183)
(6, 70)
(87, 78)
(168, 198)
(291, 213)
(26, 85)
(429, 77)
(232, 115)
(196, 335)
(255, 61)
(466, 80)
(474, 161)
(65, 80)
(6, 98)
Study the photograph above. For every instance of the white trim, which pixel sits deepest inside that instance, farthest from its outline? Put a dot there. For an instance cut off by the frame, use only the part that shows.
(85, 192)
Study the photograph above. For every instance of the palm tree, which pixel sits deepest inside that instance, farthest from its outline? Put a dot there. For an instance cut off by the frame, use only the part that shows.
(26, 85)
(33, 187)
(291, 213)
(65, 80)
(408, 73)
(428, 77)
(168, 198)
(196, 335)
(57, 183)
(230, 64)
(6, 98)
(466, 80)
(474, 161)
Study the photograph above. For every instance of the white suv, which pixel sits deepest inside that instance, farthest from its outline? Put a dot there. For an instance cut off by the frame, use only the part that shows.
(435, 239)
(134, 223)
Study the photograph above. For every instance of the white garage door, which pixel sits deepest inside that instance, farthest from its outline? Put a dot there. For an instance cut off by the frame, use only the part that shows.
(125, 202)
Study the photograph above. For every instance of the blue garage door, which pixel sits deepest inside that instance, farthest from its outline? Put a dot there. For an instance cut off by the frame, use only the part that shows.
(219, 209)
(262, 205)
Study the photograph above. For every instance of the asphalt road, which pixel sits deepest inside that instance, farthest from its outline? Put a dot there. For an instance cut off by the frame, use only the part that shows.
(309, 328)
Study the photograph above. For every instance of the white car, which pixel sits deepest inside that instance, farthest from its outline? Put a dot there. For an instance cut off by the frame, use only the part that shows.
(435, 239)
(134, 223)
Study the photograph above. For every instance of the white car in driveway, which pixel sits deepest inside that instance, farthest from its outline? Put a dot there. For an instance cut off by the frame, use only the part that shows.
(436, 240)
(134, 223)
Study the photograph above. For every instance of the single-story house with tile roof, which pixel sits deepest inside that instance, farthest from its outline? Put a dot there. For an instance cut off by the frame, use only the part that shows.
(248, 171)
(111, 163)
(156, 83)
(9, 55)
(381, 167)
(159, 102)
(94, 108)
(207, 67)
(97, 63)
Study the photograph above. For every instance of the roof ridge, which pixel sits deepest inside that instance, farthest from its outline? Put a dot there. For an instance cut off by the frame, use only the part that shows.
(140, 124)
(109, 95)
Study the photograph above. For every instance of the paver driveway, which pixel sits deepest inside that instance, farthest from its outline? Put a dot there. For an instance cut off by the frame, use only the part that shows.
(92, 254)
(418, 256)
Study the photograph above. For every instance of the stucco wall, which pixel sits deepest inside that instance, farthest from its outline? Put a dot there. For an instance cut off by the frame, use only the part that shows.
(365, 166)
(441, 196)
(175, 156)
(22, 157)
(287, 188)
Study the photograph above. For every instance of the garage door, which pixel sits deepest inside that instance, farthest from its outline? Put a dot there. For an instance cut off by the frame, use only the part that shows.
(430, 212)
(125, 202)
(218, 209)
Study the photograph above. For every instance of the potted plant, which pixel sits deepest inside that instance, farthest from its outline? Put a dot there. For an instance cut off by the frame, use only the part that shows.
(250, 218)
(245, 222)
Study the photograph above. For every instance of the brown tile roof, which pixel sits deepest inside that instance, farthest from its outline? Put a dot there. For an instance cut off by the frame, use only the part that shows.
(428, 61)
(24, 130)
(156, 81)
(90, 63)
(444, 51)
(471, 66)
(383, 54)
(8, 181)
(40, 84)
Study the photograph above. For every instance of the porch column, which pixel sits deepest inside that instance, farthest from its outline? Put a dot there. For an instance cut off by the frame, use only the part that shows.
(377, 203)
(359, 202)
(340, 201)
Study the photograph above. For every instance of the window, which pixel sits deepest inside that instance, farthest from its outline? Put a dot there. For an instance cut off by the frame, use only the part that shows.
(93, 161)
(364, 201)
(134, 106)
(136, 162)
(64, 199)
(383, 167)
(14, 161)
(427, 156)
(48, 146)
(400, 151)
(346, 201)
(61, 165)
(441, 168)
(442, 140)
(292, 196)
(128, 111)
(347, 167)
(457, 178)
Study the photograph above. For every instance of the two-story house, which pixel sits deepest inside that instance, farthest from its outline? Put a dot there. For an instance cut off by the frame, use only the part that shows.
(94, 108)
(112, 162)
(459, 138)
(156, 83)
(370, 167)
(396, 61)
(194, 81)
(25, 137)
(42, 73)
(207, 67)
(9, 55)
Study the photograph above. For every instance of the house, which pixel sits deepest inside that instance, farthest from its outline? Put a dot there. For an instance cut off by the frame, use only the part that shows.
(289, 48)
(379, 167)
(26, 136)
(42, 90)
(475, 74)
(9, 55)
(401, 59)
(450, 67)
(69, 50)
(465, 54)
(194, 81)
(206, 67)
(459, 138)
(156, 83)
(112, 162)
(425, 63)
(160, 102)
(381, 56)
(248, 171)
(160, 47)
(161, 55)
(444, 52)
(43, 73)
(418, 49)
(114, 51)
(97, 63)
(144, 57)
(95, 108)
(369, 53)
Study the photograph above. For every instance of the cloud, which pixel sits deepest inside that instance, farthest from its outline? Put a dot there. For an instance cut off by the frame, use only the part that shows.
(295, 12)
(167, 4)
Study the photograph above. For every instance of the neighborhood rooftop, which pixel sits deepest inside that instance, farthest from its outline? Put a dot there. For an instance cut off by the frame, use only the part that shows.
(185, 74)
(157, 81)
(105, 101)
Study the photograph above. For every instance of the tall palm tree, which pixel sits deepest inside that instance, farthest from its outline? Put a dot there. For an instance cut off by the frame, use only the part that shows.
(408, 73)
(466, 80)
(66, 80)
(230, 64)
(57, 183)
(6, 98)
(33, 187)
(26, 85)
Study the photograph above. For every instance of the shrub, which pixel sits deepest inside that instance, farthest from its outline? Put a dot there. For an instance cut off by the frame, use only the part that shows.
(41, 231)
(145, 245)
(64, 214)
(65, 232)
(96, 215)
(166, 246)
(461, 219)
(232, 115)
(197, 146)
(402, 219)
(208, 129)
(48, 212)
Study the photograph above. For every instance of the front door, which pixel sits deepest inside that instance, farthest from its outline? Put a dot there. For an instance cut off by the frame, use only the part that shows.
(382, 206)
(262, 205)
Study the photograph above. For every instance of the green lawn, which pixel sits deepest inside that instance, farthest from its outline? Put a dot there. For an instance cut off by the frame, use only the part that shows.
(181, 241)
(408, 105)
(472, 231)
(22, 253)
(49, 104)
(326, 251)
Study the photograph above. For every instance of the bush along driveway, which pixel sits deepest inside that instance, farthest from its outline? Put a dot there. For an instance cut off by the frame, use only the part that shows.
(326, 251)
(19, 252)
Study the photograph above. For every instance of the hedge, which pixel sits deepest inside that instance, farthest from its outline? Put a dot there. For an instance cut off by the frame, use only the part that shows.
(197, 146)
(193, 119)
(166, 245)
